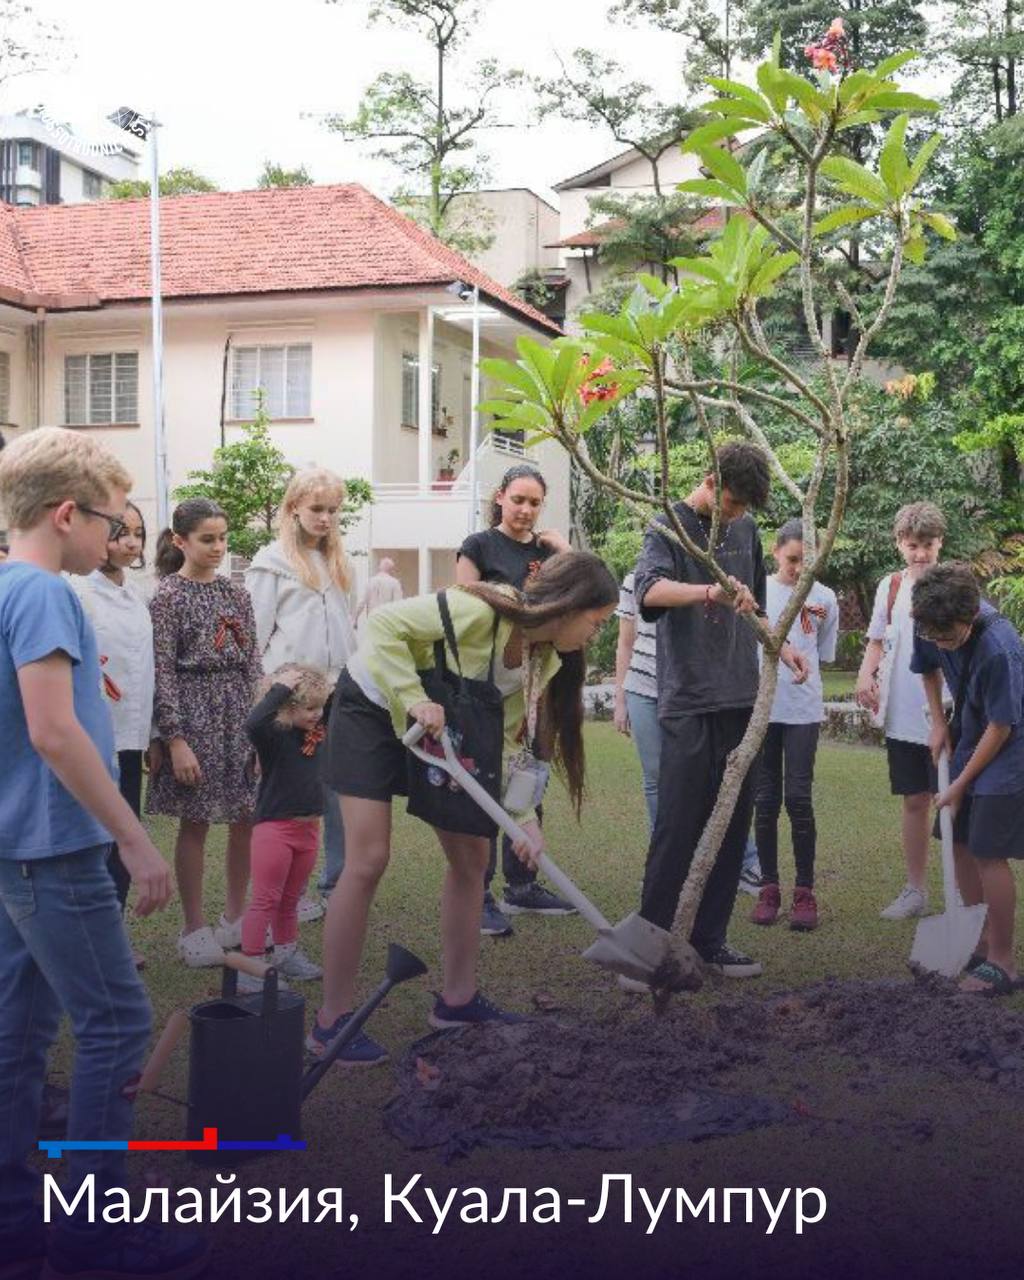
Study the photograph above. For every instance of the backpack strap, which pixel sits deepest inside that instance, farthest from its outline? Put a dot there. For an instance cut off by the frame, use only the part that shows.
(895, 582)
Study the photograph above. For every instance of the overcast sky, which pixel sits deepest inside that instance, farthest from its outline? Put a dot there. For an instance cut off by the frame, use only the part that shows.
(231, 80)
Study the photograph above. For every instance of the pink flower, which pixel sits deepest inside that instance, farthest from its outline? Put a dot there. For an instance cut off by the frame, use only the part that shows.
(605, 390)
(824, 60)
(836, 27)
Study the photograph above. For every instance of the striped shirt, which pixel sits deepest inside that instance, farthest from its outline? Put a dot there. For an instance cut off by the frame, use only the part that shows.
(642, 676)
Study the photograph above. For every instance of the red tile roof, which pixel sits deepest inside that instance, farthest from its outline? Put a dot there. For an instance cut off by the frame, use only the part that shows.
(228, 243)
(593, 237)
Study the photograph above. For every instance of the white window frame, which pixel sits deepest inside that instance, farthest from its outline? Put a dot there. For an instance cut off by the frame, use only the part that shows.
(124, 397)
(411, 392)
(289, 402)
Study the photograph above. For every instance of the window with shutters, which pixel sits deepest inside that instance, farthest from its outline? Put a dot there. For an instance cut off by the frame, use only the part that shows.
(92, 185)
(283, 374)
(101, 389)
(411, 392)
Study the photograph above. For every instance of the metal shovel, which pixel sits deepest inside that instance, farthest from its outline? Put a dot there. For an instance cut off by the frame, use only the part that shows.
(634, 947)
(943, 944)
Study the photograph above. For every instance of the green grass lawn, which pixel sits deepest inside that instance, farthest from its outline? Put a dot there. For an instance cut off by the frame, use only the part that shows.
(867, 1111)
(838, 684)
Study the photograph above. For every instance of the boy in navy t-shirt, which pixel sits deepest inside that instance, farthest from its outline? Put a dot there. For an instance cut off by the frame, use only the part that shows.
(63, 946)
(982, 658)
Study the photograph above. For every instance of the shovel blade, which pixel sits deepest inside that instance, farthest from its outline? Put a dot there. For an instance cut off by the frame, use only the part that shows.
(634, 947)
(943, 944)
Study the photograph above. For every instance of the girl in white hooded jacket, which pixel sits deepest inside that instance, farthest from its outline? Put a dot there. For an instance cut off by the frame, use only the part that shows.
(299, 586)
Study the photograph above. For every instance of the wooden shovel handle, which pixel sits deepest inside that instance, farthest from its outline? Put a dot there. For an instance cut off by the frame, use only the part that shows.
(245, 964)
(177, 1025)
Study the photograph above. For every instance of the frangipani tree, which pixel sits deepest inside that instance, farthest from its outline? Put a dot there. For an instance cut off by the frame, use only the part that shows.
(650, 347)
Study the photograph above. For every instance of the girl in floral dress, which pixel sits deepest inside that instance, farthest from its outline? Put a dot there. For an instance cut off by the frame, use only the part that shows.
(207, 669)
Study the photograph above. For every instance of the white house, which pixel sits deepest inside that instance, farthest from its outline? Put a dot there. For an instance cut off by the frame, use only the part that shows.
(357, 324)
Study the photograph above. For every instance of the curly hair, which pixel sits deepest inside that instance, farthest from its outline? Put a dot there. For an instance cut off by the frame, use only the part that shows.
(944, 596)
(312, 690)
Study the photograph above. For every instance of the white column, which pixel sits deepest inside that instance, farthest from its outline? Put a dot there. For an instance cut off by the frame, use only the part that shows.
(424, 568)
(474, 416)
(159, 426)
(426, 362)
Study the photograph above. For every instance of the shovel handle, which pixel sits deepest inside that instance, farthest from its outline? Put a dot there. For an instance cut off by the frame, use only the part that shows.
(505, 821)
(946, 832)
(170, 1037)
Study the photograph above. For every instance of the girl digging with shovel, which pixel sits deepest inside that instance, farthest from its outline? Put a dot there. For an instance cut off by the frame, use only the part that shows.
(515, 645)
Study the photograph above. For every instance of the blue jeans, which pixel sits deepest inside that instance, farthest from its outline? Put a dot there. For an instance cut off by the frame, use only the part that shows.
(64, 949)
(334, 842)
(643, 721)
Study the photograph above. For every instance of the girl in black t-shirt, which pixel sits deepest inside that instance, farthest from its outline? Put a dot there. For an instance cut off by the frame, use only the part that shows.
(510, 551)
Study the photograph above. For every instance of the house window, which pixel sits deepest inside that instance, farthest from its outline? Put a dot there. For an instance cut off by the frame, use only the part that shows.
(5, 386)
(283, 374)
(27, 154)
(411, 392)
(92, 185)
(101, 389)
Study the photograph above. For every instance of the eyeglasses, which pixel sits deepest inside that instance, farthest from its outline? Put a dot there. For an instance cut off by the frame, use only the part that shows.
(938, 637)
(115, 524)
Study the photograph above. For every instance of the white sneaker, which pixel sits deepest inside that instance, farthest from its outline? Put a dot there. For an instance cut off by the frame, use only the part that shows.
(251, 986)
(229, 933)
(633, 986)
(909, 903)
(200, 949)
(311, 908)
(291, 961)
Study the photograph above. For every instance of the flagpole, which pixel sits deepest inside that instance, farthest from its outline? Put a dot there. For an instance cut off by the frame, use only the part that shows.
(159, 426)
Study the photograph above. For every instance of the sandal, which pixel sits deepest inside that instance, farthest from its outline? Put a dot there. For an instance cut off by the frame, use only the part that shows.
(975, 962)
(997, 981)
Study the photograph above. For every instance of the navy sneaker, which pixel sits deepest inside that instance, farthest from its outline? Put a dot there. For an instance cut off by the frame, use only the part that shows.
(473, 1014)
(534, 898)
(361, 1051)
(22, 1252)
(129, 1251)
(732, 963)
(493, 922)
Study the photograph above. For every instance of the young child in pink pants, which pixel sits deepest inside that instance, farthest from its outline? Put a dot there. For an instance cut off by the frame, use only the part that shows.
(287, 729)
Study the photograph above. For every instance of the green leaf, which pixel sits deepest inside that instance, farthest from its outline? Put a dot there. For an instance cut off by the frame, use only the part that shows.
(920, 161)
(939, 223)
(755, 170)
(898, 101)
(615, 326)
(844, 216)
(698, 267)
(657, 288)
(500, 408)
(709, 187)
(856, 83)
(888, 65)
(855, 179)
(914, 247)
(768, 79)
(513, 375)
(740, 110)
(710, 133)
(775, 267)
(568, 358)
(725, 167)
(858, 117)
(801, 90)
(893, 164)
(736, 89)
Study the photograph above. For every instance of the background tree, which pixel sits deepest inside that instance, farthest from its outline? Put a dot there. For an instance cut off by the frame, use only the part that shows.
(423, 132)
(276, 175)
(876, 29)
(27, 42)
(984, 42)
(175, 182)
(650, 349)
(707, 28)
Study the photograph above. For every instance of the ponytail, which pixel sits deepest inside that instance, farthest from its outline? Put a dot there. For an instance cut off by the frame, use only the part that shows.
(188, 516)
(168, 558)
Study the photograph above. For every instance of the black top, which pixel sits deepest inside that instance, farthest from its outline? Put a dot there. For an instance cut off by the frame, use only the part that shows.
(502, 559)
(290, 785)
(707, 656)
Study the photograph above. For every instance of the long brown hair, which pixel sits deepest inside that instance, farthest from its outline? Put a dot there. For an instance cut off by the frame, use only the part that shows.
(187, 517)
(520, 471)
(568, 582)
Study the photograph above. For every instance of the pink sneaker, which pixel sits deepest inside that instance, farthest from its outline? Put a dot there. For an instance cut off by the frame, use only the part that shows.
(803, 914)
(769, 900)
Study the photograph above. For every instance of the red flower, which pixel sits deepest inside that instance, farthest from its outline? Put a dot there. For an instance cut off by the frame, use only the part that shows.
(603, 390)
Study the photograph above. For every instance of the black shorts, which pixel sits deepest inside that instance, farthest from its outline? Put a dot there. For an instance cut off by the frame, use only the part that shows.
(364, 757)
(990, 826)
(911, 770)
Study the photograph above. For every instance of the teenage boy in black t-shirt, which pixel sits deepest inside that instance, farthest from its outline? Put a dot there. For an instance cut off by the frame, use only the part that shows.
(707, 683)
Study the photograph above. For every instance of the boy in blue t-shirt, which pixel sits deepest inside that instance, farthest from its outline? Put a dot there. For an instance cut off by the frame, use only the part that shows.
(63, 946)
(982, 658)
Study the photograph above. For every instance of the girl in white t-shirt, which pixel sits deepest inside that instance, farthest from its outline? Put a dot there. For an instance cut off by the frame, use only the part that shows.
(895, 696)
(787, 760)
(124, 635)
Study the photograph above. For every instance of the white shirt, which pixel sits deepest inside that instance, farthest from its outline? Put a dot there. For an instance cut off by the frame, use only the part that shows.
(383, 588)
(813, 634)
(124, 636)
(642, 676)
(905, 707)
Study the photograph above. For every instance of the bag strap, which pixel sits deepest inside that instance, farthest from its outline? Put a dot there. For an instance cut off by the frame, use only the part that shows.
(449, 629)
(978, 629)
(895, 582)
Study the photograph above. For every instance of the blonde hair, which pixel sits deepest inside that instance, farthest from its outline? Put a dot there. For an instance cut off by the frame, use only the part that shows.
(52, 465)
(304, 485)
(312, 690)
